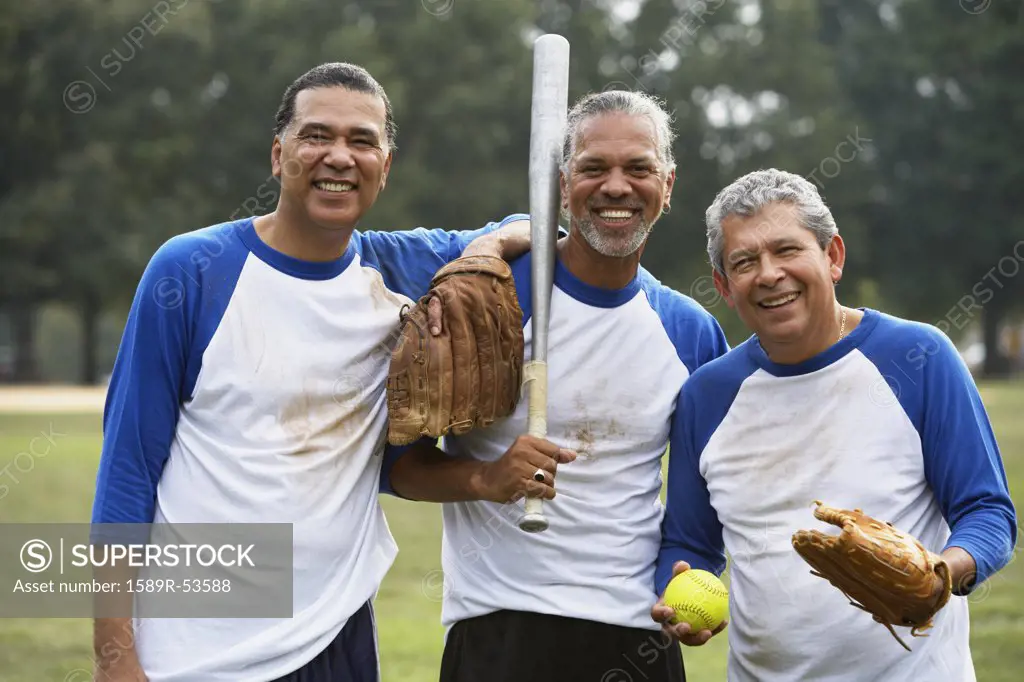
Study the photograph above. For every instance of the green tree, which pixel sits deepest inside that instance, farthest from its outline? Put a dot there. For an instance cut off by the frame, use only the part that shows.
(939, 86)
(93, 142)
(752, 86)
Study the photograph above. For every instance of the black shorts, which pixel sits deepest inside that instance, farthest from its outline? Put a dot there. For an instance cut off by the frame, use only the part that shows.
(514, 646)
(350, 657)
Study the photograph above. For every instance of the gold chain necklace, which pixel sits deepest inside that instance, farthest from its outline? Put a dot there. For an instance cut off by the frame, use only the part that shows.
(842, 325)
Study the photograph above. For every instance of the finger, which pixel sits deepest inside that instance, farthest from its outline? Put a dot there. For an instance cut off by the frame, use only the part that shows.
(541, 445)
(546, 447)
(434, 315)
(681, 630)
(526, 462)
(680, 567)
(661, 613)
(541, 475)
(721, 626)
(565, 456)
(561, 457)
(541, 490)
(534, 460)
(698, 639)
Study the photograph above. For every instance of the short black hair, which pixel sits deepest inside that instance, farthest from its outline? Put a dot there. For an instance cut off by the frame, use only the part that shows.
(340, 74)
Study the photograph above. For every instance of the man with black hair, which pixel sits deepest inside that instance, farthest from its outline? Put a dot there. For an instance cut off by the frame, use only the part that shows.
(249, 387)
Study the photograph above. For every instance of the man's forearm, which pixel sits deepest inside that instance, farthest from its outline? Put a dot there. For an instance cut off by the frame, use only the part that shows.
(507, 243)
(114, 649)
(428, 475)
(962, 568)
(114, 631)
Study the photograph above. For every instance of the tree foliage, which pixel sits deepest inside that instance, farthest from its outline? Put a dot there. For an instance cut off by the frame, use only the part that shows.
(128, 121)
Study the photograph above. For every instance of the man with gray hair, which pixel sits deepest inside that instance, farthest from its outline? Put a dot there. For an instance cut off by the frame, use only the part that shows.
(573, 603)
(853, 407)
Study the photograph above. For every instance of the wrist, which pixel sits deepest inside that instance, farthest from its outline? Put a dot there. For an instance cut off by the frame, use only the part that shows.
(479, 488)
(962, 569)
(124, 667)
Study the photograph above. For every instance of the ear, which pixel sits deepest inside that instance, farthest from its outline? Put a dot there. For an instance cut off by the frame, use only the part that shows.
(836, 254)
(563, 185)
(669, 184)
(275, 157)
(387, 169)
(722, 286)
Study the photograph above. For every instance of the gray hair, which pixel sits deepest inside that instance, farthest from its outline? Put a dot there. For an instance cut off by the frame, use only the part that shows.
(753, 192)
(616, 101)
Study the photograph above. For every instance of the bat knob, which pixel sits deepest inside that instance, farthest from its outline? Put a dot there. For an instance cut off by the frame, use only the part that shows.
(533, 523)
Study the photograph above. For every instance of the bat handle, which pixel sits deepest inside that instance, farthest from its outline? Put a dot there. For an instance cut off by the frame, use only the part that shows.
(533, 520)
(535, 377)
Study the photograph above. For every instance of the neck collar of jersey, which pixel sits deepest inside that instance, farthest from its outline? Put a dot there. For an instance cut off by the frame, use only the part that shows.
(823, 359)
(290, 265)
(592, 295)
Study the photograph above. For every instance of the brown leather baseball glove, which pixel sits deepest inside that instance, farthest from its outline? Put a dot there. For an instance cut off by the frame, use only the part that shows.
(471, 374)
(880, 569)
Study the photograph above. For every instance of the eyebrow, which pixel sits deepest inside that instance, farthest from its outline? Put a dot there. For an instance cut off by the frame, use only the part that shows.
(773, 244)
(783, 241)
(314, 125)
(364, 130)
(355, 130)
(648, 158)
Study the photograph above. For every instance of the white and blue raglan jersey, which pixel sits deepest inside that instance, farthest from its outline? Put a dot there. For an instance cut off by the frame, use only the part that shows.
(889, 421)
(249, 387)
(616, 362)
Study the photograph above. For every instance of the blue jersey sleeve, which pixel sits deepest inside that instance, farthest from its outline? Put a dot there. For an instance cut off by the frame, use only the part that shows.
(961, 459)
(691, 531)
(408, 260)
(178, 305)
(711, 343)
(695, 333)
(393, 453)
(145, 392)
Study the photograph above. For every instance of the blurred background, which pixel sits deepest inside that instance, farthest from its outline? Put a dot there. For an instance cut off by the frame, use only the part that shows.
(125, 122)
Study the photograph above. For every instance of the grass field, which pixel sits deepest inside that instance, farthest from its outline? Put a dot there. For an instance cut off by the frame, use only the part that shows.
(57, 487)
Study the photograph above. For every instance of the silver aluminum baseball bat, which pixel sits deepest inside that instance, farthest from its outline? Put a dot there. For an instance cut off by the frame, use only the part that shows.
(547, 130)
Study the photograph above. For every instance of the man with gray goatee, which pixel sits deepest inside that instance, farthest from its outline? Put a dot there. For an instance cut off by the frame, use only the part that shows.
(573, 603)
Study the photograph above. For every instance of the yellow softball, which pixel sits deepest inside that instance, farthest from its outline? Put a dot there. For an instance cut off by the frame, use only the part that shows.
(698, 598)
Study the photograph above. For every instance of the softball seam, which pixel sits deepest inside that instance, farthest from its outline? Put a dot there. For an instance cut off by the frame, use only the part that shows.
(709, 587)
(695, 609)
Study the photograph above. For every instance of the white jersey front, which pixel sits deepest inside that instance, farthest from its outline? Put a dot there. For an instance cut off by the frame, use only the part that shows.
(616, 362)
(250, 388)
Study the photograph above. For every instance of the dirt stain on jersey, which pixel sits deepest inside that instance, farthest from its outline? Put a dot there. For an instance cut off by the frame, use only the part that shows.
(614, 429)
(381, 297)
(295, 415)
(580, 436)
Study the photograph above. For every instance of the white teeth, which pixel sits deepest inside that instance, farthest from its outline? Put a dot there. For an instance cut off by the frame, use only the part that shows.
(782, 300)
(609, 214)
(334, 186)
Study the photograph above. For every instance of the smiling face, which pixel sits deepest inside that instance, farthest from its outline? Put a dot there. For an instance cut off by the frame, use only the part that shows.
(333, 159)
(617, 188)
(779, 280)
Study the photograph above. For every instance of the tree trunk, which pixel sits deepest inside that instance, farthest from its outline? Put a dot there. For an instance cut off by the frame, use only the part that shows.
(996, 364)
(90, 312)
(23, 327)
